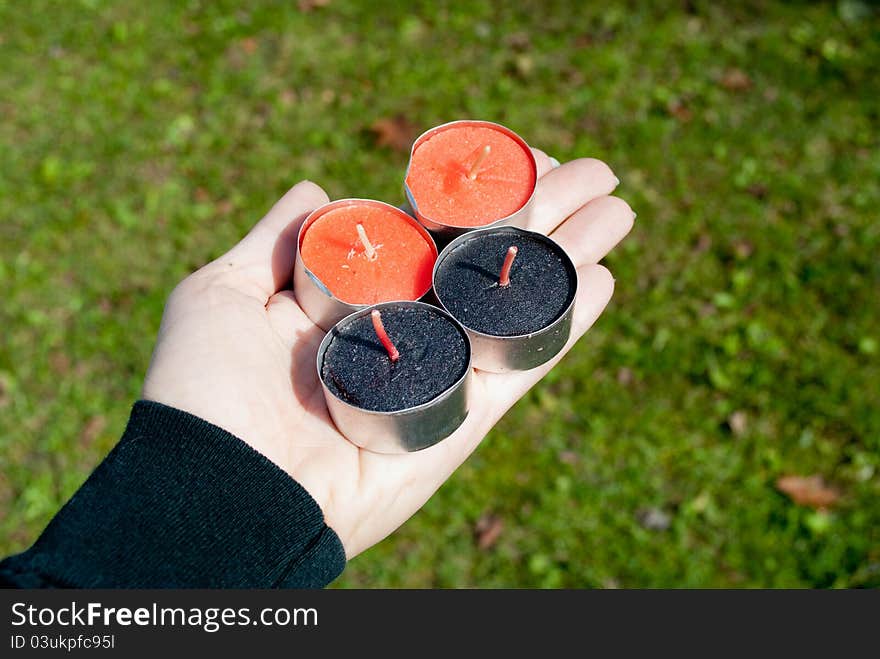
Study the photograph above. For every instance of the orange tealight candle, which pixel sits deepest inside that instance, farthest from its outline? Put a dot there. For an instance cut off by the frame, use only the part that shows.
(469, 174)
(357, 252)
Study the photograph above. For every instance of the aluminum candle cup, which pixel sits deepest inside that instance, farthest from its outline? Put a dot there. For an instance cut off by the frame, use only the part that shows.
(336, 273)
(514, 327)
(453, 187)
(389, 406)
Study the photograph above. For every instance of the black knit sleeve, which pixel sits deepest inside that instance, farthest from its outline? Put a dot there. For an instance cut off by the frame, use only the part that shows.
(181, 503)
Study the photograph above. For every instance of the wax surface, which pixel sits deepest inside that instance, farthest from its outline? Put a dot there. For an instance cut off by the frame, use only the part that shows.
(433, 357)
(439, 183)
(542, 284)
(401, 270)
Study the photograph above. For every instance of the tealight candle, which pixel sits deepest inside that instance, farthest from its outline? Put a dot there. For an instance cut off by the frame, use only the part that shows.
(469, 174)
(513, 291)
(356, 252)
(396, 376)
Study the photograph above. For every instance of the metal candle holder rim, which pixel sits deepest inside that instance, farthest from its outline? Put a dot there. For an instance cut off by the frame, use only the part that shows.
(355, 201)
(450, 390)
(569, 264)
(441, 226)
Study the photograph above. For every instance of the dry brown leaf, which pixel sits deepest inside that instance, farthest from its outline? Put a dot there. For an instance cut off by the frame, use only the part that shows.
(736, 80)
(758, 190)
(396, 132)
(249, 45)
(809, 491)
(93, 428)
(308, 5)
(584, 40)
(680, 111)
(487, 530)
(60, 362)
(225, 206)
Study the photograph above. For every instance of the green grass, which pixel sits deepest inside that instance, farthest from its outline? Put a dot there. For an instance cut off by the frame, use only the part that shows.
(140, 140)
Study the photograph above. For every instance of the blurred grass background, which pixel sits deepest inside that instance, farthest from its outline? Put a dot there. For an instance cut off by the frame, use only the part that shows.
(140, 140)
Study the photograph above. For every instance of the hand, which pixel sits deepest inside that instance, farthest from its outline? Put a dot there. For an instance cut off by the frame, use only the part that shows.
(235, 349)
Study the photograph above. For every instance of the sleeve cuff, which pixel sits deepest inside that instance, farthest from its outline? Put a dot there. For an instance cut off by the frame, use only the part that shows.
(181, 503)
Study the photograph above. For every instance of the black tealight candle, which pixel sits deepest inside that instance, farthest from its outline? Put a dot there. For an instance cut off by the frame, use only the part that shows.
(513, 291)
(395, 376)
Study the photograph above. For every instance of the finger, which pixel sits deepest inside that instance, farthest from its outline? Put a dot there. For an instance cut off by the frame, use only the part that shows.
(565, 189)
(543, 161)
(262, 263)
(595, 287)
(592, 232)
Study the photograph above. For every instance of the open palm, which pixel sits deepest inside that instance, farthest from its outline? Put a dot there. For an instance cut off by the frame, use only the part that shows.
(236, 349)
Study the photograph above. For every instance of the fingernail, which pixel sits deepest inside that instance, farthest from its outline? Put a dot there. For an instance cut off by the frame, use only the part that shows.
(554, 162)
(635, 215)
(616, 181)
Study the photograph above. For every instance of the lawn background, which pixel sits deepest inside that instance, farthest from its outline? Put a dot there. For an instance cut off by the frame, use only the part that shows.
(140, 140)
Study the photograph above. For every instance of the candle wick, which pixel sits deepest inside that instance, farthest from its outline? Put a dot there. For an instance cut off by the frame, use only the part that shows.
(504, 278)
(472, 174)
(369, 250)
(393, 354)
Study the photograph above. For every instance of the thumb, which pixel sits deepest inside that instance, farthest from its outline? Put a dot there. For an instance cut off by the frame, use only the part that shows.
(264, 258)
